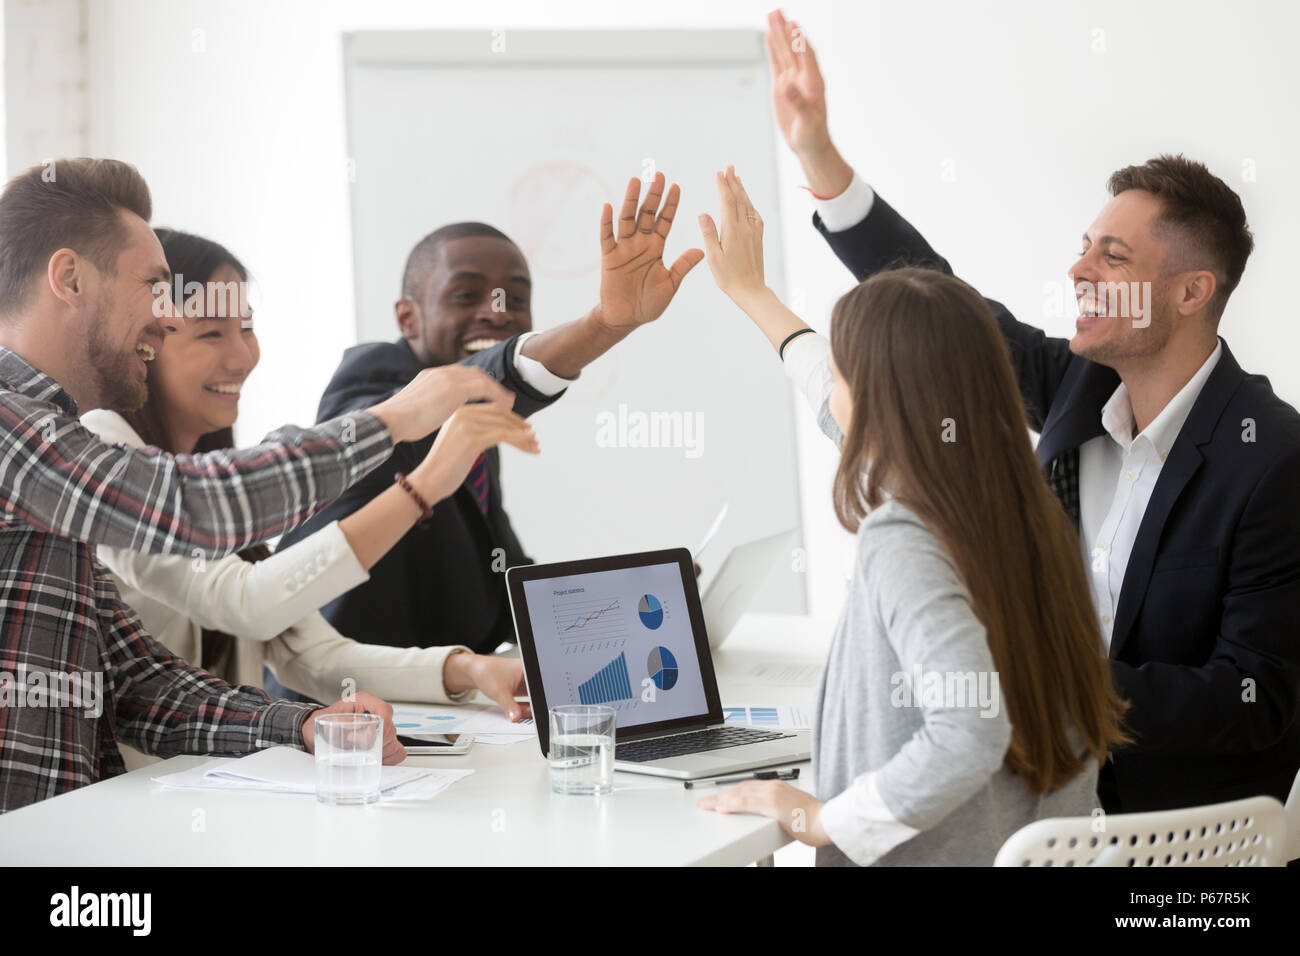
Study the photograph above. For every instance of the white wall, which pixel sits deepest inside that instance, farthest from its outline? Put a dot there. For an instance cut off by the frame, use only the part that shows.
(992, 125)
(44, 64)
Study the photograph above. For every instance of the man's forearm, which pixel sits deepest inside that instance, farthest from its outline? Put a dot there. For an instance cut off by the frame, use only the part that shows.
(145, 500)
(571, 347)
(827, 172)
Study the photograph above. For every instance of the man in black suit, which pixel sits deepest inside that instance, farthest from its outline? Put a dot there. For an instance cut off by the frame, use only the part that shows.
(466, 297)
(1181, 470)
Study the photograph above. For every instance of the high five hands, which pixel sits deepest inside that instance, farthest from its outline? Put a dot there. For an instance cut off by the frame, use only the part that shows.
(635, 286)
(735, 254)
(734, 249)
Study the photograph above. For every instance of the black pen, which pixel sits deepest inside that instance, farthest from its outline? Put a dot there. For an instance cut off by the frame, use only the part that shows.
(761, 775)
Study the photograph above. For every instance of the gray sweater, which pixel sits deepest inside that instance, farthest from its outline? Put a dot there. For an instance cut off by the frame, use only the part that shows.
(938, 757)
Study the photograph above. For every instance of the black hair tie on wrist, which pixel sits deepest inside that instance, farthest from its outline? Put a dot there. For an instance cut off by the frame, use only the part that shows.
(793, 335)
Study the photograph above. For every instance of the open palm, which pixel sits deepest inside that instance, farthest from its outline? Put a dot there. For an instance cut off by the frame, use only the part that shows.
(798, 91)
(635, 286)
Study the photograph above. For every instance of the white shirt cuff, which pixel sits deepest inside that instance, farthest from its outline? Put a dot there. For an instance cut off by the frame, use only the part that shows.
(848, 208)
(859, 823)
(807, 362)
(535, 373)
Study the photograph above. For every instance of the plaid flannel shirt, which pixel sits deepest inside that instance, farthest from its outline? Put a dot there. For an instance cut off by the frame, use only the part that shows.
(77, 669)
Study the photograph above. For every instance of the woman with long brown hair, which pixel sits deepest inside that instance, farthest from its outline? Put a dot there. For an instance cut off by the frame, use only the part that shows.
(966, 692)
(231, 616)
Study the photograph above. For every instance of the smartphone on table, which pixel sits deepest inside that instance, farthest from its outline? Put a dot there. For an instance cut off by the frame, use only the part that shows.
(437, 745)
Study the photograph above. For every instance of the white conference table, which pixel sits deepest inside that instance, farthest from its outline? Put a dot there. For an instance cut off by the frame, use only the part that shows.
(502, 814)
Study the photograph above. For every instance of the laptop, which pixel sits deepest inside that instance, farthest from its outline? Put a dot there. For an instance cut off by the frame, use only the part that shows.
(628, 632)
(741, 576)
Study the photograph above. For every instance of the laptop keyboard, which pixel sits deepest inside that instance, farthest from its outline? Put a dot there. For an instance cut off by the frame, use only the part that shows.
(694, 742)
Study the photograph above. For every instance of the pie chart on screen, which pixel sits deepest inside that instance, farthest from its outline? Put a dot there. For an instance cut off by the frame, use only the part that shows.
(662, 667)
(650, 611)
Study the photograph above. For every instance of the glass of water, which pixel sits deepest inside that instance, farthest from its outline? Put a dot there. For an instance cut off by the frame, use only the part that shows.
(582, 748)
(349, 753)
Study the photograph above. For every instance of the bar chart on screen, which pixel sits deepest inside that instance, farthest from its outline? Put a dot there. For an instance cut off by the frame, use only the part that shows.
(609, 684)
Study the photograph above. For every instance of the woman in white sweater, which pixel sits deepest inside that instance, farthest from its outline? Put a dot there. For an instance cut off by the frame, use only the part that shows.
(966, 692)
(234, 614)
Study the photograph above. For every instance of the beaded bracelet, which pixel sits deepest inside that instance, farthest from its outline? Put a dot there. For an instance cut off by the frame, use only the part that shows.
(426, 513)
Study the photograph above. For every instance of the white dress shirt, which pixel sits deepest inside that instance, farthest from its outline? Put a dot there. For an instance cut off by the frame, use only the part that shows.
(848, 208)
(1117, 474)
(535, 373)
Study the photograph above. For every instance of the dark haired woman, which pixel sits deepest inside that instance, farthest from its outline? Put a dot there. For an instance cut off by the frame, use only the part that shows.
(966, 692)
(232, 615)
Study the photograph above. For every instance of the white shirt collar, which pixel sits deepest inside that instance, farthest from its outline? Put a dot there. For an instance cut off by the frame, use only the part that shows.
(1117, 413)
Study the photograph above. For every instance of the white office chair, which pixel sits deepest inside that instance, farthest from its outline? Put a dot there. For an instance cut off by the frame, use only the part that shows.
(1250, 832)
(1293, 820)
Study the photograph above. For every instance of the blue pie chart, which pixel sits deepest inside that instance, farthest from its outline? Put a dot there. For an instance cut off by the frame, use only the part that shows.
(662, 667)
(650, 611)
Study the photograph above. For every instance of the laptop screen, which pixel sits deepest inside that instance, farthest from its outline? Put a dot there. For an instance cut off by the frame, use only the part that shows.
(618, 636)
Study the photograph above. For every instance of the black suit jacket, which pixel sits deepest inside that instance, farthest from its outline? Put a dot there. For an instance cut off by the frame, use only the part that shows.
(445, 583)
(1206, 640)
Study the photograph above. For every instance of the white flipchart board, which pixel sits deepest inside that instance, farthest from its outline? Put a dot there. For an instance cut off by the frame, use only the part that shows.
(531, 131)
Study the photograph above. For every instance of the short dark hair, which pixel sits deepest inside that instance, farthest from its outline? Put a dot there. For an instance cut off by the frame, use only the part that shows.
(425, 252)
(1203, 210)
(65, 203)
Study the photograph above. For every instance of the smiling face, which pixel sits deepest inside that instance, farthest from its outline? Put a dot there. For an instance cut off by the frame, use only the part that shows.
(475, 293)
(1122, 259)
(198, 375)
(126, 328)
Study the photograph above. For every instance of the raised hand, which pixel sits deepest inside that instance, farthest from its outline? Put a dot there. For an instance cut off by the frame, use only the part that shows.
(735, 256)
(799, 106)
(635, 286)
(736, 260)
(798, 91)
(432, 396)
(472, 430)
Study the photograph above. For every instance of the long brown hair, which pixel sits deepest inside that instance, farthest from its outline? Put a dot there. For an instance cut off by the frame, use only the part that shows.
(939, 424)
(194, 259)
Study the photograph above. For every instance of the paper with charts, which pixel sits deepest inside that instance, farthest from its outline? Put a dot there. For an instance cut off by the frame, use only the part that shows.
(487, 722)
(780, 717)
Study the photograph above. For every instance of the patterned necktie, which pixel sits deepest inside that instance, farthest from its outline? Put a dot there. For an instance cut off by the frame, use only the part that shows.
(1063, 476)
(478, 482)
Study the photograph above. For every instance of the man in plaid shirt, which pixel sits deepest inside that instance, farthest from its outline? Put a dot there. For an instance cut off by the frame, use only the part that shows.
(84, 304)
